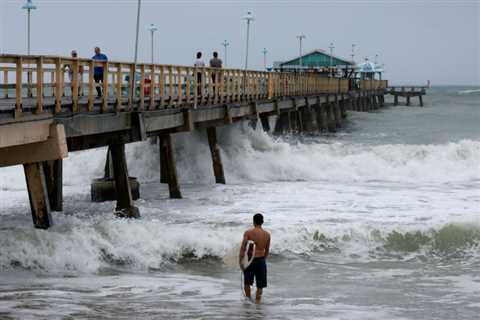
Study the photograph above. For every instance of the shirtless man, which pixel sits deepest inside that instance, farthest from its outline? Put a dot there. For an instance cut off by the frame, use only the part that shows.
(258, 268)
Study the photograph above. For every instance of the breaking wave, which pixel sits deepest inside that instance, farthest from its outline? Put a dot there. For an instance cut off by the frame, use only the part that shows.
(471, 91)
(89, 247)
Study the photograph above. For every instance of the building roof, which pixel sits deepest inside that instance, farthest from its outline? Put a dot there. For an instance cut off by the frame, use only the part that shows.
(316, 58)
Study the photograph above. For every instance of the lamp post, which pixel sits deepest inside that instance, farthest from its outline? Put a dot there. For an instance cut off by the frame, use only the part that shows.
(225, 44)
(152, 28)
(264, 51)
(353, 52)
(139, 5)
(29, 6)
(249, 18)
(300, 38)
(331, 55)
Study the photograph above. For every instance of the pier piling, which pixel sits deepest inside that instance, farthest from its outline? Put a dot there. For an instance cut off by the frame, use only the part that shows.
(124, 207)
(53, 171)
(38, 195)
(216, 157)
(169, 166)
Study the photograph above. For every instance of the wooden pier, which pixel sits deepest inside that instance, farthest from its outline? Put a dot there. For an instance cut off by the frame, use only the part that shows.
(407, 92)
(44, 115)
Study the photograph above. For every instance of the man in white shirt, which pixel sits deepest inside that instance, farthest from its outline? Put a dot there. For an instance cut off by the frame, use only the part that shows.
(199, 64)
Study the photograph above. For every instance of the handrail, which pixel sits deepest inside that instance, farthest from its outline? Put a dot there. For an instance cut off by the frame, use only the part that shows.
(69, 83)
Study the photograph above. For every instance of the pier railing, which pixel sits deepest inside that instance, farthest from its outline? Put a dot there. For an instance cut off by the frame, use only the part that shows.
(373, 84)
(55, 83)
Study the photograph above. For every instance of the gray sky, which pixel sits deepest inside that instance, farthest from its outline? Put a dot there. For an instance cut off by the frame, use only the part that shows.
(416, 40)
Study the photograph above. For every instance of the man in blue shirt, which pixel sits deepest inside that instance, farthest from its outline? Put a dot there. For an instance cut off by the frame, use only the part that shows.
(98, 70)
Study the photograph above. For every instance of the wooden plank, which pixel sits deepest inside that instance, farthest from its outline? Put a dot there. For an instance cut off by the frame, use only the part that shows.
(39, 109)
(105, 86)
(170, 86)
(5, 82)
(162, 86)
(188, 79)
(91, 85)
(179, 86)
(152, 87)
(18, 88)
(141, 103)
(118, 104)
(74, 85)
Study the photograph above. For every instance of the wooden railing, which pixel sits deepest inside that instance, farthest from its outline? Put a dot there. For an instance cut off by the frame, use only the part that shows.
(62, 81)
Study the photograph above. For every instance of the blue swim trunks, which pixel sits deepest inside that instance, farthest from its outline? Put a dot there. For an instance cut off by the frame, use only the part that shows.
(258, 270)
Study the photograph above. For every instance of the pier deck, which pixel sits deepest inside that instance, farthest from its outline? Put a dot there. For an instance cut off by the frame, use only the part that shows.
(48, 108)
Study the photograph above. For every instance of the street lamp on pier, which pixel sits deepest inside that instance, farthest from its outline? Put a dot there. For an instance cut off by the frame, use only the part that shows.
(331, 55)
(225, 44)
(249, 18)
(265, 51)
(29, 6)
(300, 38)
(152, 28)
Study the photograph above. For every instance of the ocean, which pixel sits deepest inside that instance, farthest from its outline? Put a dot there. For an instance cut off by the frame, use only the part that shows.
(377, 221)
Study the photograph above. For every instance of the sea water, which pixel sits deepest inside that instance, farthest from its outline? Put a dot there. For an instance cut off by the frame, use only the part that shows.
(377, 221)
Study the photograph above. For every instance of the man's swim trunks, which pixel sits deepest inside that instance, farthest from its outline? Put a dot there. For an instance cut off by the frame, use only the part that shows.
(258, 270)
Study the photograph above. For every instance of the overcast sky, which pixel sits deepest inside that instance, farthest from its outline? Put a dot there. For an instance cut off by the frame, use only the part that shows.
(416, 40)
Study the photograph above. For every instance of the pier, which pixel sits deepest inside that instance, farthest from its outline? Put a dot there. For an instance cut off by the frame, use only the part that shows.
(44, 116)
(407, 92)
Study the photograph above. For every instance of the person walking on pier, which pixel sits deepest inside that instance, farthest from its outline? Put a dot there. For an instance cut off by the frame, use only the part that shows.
(258, 267)
(98, 70)
(199, 64)
(215, 62)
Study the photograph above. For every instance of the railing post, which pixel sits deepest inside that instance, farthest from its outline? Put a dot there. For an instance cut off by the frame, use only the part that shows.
(188, 77)
(162, 86)
(18, 88)
(152, 87)
(58, 85)
(75, 85)
(179, 86)
(5, 82)
(170, 85)
(91, 84)
(131, 86)
(141, 104)
(119, 88)
(105, 86)
(39, 85)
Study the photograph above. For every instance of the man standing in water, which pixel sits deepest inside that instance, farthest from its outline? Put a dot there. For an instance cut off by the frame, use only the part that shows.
(258, 268)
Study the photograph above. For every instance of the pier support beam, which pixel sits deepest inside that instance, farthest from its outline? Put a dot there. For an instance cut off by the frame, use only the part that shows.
(216, 157)
(420, 98)
(167, 157)
(125, 207)
(308, 119)
(265, 123)
(331, 126)
(38, 195)
(408, 100)
(282, 123)
(163, 162)
(53, 171)
(321, 125)
(337, 113)
(395, 100)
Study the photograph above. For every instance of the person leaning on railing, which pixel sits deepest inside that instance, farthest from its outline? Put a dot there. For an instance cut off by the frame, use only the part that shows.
(215, 62)
(98, 70)
(199, 64)
(69, 68)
